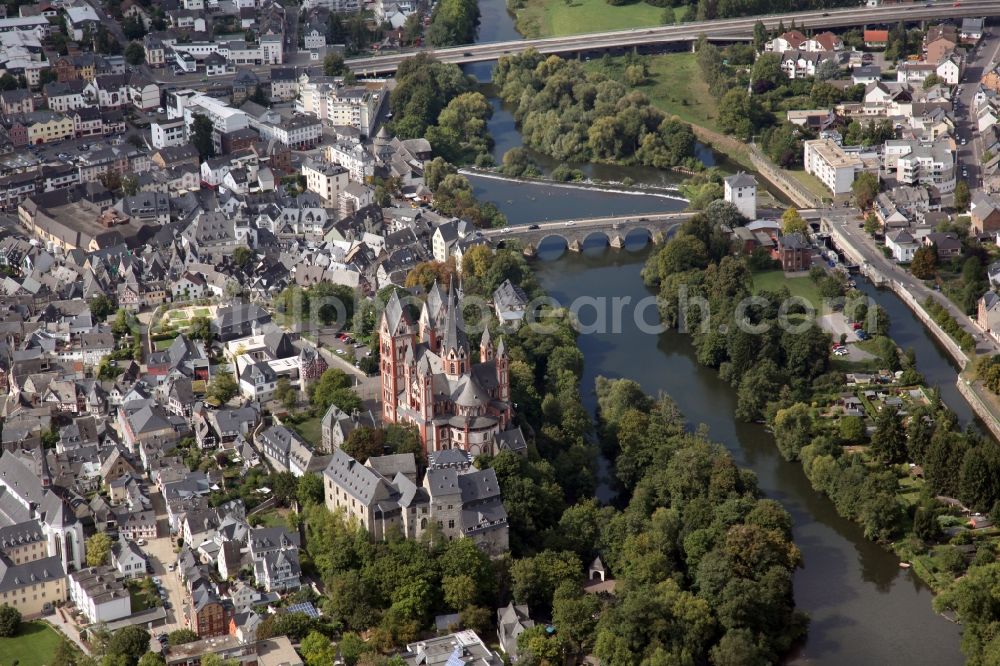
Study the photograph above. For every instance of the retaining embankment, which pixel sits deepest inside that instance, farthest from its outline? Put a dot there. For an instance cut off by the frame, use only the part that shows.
(972, 394)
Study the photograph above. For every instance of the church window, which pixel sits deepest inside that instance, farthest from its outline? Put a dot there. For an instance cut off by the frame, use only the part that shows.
(451, 524)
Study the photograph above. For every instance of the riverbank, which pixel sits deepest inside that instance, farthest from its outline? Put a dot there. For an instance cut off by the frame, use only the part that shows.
(863, 607)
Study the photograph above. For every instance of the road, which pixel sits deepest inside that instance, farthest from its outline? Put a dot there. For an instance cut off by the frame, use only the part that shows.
(982, 58)
(161, 555)
(717, 29)
(848, 221)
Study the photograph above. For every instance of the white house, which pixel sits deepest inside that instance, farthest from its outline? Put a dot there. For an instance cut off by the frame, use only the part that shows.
(99, 594)
(128, 559)
(902, 245)
(741, 191)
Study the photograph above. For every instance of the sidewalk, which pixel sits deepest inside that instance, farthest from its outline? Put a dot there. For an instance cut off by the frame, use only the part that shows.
(67, 629)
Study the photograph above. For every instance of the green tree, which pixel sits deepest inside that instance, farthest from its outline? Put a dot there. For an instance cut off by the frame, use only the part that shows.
(334, 388)
(317, 650)
(962, 196)
(310, 489)
(889, 439)
(792, 222)
(535, 579)
(201, 136)
(200, 328)
(10, 621)
(181, 636)
(793, 430)
(852, 429)
(98, 549)
(223, 387)
(333, 65)
(865, 189)
(285, 393)
(243, 257)
(924, 264)
(101, 307)
(135, 54)
(128, 644)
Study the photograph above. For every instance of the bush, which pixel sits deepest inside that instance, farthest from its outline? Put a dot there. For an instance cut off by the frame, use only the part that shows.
(10, 621)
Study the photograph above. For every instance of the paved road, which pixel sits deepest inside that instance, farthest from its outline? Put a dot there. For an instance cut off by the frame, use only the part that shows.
(847, 222)
(970, 154)
(161, 556)
(727, 29)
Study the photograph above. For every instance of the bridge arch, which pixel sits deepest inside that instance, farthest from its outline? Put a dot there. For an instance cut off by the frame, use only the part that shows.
(596, 238)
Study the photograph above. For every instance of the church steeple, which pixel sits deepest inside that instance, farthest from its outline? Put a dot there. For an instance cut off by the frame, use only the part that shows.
(486, 347)
(455, 347)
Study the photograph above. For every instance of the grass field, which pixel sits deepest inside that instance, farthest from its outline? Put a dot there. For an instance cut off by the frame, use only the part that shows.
(810, 182)
(554, 18)
(675, 86)
(160, 345)
(310, 429)
(798, 286)
(34, 645)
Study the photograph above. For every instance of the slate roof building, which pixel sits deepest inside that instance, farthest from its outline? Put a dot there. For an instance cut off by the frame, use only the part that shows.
(429, 379)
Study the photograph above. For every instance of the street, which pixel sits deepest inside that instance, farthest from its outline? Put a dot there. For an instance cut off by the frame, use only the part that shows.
(967, 137)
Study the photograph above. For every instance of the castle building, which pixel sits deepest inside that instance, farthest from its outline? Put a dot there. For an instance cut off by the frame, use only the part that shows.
(430, 380)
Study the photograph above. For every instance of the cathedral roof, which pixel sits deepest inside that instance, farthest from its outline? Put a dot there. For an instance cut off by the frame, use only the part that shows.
(471, 394)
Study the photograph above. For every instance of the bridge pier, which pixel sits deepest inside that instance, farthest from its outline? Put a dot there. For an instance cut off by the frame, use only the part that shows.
(529, 251)
(618, 242)
(657, 238)
(575, 246)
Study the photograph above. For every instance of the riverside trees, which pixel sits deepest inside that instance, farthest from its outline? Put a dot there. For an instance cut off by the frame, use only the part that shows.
(580, 116)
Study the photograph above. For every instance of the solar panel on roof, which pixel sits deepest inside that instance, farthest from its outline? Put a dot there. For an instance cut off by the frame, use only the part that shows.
(306, 608)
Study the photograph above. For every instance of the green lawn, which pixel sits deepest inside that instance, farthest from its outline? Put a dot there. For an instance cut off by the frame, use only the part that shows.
(34, 645)
(675, 86)
(553, 18)
(310, 430)
(798, 286)
(810, 182)
(202, 312)
(160, 345)
(272, 519)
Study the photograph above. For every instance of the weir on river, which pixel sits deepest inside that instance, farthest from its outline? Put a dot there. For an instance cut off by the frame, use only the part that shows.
(864, 608)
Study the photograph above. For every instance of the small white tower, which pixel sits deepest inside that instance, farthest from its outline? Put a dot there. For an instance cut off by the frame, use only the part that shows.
(741, 191)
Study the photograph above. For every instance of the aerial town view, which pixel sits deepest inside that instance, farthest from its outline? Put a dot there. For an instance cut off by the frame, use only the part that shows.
(492, 332)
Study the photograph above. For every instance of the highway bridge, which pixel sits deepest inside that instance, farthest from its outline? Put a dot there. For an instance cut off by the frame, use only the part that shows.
(612, 230)
(721, 30)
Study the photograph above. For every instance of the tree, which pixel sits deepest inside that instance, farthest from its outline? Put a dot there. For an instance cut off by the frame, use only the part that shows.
(101, 306)
(828, 69)
(10, 621)
(793, 430)
(759, 36)
(792, 222)
(285, 394)
(201, 137)
(128, 644)
(852, 429)
(962, 196)
(865, 189)
(310, 489)
(135, 54)
(889, 438)
(98, 549)
(130, 185)
(924, 264)
(243, 256)
(223, 387)
(200, 328)
(334, 388)
(333, 65)
(535, 579)
(317, 649)
(181, 636)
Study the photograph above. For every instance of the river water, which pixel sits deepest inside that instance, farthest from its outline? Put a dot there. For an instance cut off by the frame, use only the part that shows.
(864, 609)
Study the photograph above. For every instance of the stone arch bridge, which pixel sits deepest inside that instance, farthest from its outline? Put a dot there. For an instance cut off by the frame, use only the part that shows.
(614, 230)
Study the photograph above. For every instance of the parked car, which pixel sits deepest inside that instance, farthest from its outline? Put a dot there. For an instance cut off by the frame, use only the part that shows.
(862, 335)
